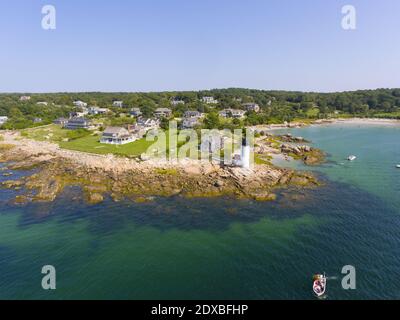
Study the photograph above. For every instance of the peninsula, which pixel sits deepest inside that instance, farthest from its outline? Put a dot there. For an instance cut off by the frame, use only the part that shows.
(100, 141)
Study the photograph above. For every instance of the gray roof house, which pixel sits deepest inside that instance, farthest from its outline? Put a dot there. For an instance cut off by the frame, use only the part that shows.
(79, 123)
(237, 113)
(79, 103)
(116, 135)
(97, 110)
(176, 102)
(148, 123)
(163, 113)
(190, 123)
(191, 119)
(251, 107)
(143, 125)
(61, 121)
(232, 113)
(209, 100)
(135, 112)
(192, 114)
(118, 104)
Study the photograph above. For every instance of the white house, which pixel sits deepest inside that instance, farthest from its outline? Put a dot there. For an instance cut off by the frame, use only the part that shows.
(118, 104)
(79, 103)
(209, 100)
(192, 114)
(232, 113)
(148, 123)
(237, 113)
(78, 114)
(163, 113)
(116, 135)
(176, 102)
(191, 119)
(24, 98)
(135, 112)
(224, 113)
(143, 125)
(251, 107)
(97, 110)
(190, 123)
(3, 120)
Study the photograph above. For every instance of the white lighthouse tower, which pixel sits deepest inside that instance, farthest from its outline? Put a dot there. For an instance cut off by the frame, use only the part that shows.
(245, 156)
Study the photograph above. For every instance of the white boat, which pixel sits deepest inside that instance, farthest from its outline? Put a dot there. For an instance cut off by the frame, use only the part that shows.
(319, 285)
(352, 158)
(398, 166)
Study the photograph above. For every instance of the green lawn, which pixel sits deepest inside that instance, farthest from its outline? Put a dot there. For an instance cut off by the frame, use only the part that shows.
(91, 144)
(262, 159)
(50, 132)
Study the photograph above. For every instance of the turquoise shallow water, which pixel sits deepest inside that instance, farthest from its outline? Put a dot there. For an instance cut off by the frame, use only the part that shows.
(220, 248)
(377, 148)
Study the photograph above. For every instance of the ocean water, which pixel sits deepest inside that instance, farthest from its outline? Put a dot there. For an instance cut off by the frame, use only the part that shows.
(174, 248)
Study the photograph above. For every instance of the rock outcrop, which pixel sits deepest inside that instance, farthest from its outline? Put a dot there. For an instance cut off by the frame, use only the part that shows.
(129, 178)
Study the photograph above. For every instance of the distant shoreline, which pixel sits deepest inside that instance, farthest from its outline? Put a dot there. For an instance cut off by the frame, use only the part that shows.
(367, 121)
(300, 124)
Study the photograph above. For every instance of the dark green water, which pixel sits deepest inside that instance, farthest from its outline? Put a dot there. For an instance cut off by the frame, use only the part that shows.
(220, 248)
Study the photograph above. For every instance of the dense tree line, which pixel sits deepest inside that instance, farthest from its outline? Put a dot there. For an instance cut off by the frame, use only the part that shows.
(276, 106)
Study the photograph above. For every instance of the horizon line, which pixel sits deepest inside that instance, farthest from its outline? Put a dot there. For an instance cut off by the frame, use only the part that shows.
(195, 90)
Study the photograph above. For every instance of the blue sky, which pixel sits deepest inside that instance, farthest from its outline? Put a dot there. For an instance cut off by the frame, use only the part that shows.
(157, 45)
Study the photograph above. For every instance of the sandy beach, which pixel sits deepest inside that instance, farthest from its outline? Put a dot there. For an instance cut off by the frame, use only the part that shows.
(356, 121)
(366, 121)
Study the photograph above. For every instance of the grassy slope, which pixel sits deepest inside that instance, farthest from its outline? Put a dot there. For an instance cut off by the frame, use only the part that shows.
(90, 143)
(50, 132)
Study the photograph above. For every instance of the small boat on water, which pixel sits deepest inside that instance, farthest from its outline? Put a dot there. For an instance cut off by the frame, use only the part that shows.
(398, 166)
(352, 158)
(319, 284)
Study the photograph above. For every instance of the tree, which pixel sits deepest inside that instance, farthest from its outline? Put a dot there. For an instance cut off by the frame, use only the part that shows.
(212, 121)
(164, 124)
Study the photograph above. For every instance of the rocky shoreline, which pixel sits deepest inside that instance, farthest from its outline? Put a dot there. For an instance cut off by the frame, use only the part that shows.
(131, 179)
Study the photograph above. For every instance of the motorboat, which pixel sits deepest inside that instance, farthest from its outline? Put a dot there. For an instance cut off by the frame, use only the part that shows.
(351, 158)
(319, 284)
(398, 166)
